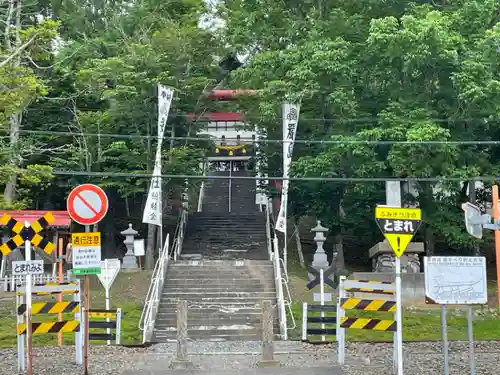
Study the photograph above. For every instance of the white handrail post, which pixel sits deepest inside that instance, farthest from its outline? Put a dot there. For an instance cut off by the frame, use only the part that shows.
(279, 288)
(268, 233)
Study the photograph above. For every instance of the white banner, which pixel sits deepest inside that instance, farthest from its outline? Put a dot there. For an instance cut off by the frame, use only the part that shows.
(261, 193)
(165, 95)
(290, 120)
(153, 210)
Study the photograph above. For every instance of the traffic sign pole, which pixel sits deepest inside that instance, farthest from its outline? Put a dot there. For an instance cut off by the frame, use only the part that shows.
(86, 306)
(398, 226)
(29, 333)
(399, 317)
(496, 216)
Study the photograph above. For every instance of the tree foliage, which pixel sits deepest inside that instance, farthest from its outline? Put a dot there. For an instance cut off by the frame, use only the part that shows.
(362, 71)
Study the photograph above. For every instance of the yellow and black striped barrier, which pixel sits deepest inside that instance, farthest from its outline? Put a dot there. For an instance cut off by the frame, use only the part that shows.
(368, 304)
(113, 322)
(50, 327)
(48, 308)
(366, 323)
(369, 286)
(346, 303)
(46, 289)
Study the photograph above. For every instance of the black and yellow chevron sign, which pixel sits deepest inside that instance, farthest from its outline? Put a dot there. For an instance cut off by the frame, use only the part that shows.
(371, 290)
(370, 324)
(368, 304)
(50, 327)
(30, 233)
(111, 314)
(50, 308)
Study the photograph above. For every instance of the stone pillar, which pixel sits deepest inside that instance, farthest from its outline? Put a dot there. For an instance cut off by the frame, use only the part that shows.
(267, 337)
(181, 360)
(320, 260)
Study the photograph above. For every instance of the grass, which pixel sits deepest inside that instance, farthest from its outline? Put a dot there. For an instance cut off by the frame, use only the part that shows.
(127, 292)
(420, 323)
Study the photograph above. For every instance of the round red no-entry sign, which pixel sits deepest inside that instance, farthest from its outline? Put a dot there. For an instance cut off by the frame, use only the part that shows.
(87, 204)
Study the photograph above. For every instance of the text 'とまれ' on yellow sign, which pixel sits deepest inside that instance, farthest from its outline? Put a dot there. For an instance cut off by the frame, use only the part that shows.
(398, 226)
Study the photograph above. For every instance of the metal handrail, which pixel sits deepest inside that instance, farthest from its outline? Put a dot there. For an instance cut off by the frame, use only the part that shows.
(287, 302)
(201, 194)
(148, 316)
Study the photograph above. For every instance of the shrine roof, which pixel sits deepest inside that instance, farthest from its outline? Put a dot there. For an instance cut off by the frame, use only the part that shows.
(229, 94)
(62, 219)
(217, 116)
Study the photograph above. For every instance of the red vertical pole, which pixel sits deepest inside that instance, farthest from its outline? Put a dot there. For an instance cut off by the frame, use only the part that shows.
(496, 216)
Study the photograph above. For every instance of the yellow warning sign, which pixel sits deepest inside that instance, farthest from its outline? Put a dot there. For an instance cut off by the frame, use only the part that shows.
(398, 226)
(398, 242)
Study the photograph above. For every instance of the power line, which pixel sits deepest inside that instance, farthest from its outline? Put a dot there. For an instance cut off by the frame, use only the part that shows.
(205, 116)
(298, 141)
(276, 178)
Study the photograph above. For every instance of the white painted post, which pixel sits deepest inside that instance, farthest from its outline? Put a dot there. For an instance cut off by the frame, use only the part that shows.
(340, 330)
(21, 359)
(29, 333)
(118, 325)
(304, 321)
(322, 299)
(78, 335)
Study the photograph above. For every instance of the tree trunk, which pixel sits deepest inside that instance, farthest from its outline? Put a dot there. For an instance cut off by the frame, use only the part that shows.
(150, 247)
(14, 11)
(299, 245)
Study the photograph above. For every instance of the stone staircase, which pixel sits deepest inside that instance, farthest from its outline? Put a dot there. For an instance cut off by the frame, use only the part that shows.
(226, 236)
(224, 272)
(224, 299)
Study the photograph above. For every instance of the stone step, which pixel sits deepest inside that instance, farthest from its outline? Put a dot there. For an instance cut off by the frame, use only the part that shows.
(230, 219)
(214, 300)
(219, 264)
(212, 308)
(210, 336)
(233, 231)
(221, 284)
(217, 289)
(212, 332)
(214, 275)
(214, 313)
(224, 294)
(170, 320)
(193, 288)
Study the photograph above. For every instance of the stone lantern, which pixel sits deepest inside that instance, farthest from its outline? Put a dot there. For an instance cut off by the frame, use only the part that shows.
(129, 260)
(320, 260)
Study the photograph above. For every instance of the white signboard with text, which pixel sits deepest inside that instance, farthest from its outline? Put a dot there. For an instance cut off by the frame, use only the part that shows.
(455, 280)
(139, 250)
(25, 267)
(86, 253)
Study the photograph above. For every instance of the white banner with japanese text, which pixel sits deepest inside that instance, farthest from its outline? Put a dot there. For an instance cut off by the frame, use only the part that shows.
(290, 120)
(153, 210)
(261, 182)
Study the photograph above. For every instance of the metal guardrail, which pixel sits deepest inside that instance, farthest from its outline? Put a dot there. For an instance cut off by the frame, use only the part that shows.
(148, 316)
(281, 277)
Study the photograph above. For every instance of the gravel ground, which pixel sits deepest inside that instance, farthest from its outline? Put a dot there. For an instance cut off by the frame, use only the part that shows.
(362, 359)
